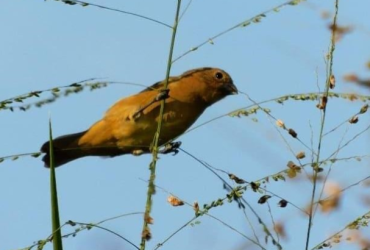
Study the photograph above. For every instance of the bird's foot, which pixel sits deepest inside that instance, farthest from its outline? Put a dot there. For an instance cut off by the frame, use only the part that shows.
(162, 95)
(172, 147)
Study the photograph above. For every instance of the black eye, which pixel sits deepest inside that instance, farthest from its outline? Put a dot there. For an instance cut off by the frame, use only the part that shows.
(219, 75)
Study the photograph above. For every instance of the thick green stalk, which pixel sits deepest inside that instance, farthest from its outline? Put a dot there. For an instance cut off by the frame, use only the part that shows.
(57, 236)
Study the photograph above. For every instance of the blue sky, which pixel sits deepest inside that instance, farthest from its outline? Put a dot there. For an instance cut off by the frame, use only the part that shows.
(45, 44)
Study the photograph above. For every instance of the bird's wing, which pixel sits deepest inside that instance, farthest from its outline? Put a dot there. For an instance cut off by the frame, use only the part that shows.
(159, 85)
(122, 120)
(129, 106)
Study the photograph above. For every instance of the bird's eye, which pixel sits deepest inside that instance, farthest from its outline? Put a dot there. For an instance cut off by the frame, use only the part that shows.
(219, 75)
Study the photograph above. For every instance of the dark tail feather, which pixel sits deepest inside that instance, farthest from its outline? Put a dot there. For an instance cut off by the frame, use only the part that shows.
(66, 149)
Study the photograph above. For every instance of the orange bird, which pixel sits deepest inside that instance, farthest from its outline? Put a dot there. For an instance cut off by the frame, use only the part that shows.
(130, 124)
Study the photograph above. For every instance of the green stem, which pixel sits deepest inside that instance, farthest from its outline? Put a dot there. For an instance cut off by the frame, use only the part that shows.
(84, 4)
(329, 73)
(151, 188)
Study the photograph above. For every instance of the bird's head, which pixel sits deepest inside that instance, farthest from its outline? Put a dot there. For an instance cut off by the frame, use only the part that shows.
(213, 84)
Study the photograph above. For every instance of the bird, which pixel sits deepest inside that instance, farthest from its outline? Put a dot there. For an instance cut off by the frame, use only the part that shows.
(129, 126)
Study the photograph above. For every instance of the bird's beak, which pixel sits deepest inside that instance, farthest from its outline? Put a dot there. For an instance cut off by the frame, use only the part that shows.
(231, 88)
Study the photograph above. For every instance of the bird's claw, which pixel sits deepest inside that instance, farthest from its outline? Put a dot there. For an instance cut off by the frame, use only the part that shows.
(172, 147)
(162, 95)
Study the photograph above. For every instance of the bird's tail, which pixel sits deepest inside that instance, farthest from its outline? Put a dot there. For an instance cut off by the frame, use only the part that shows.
(66, 149)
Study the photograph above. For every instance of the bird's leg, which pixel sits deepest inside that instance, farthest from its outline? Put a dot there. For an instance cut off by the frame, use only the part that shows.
(172, 147)
(162, 95)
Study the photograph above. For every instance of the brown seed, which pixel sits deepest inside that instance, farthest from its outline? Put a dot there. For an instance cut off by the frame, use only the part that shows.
(146, 234)
(292, 133)
(236, 179)
(149, 219)
(364, 109)
(174, 201)
(280, 229)
(255, 186)
(324, 100)
(291, 164)
(353, 120)
(301, 155)
(350, 78)
(332, 81)
(332, 202)
(196, 207)
(282, 203)
(280, 123)
(291, 173)
(353, 97)
(320, 106)
(263, 199)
